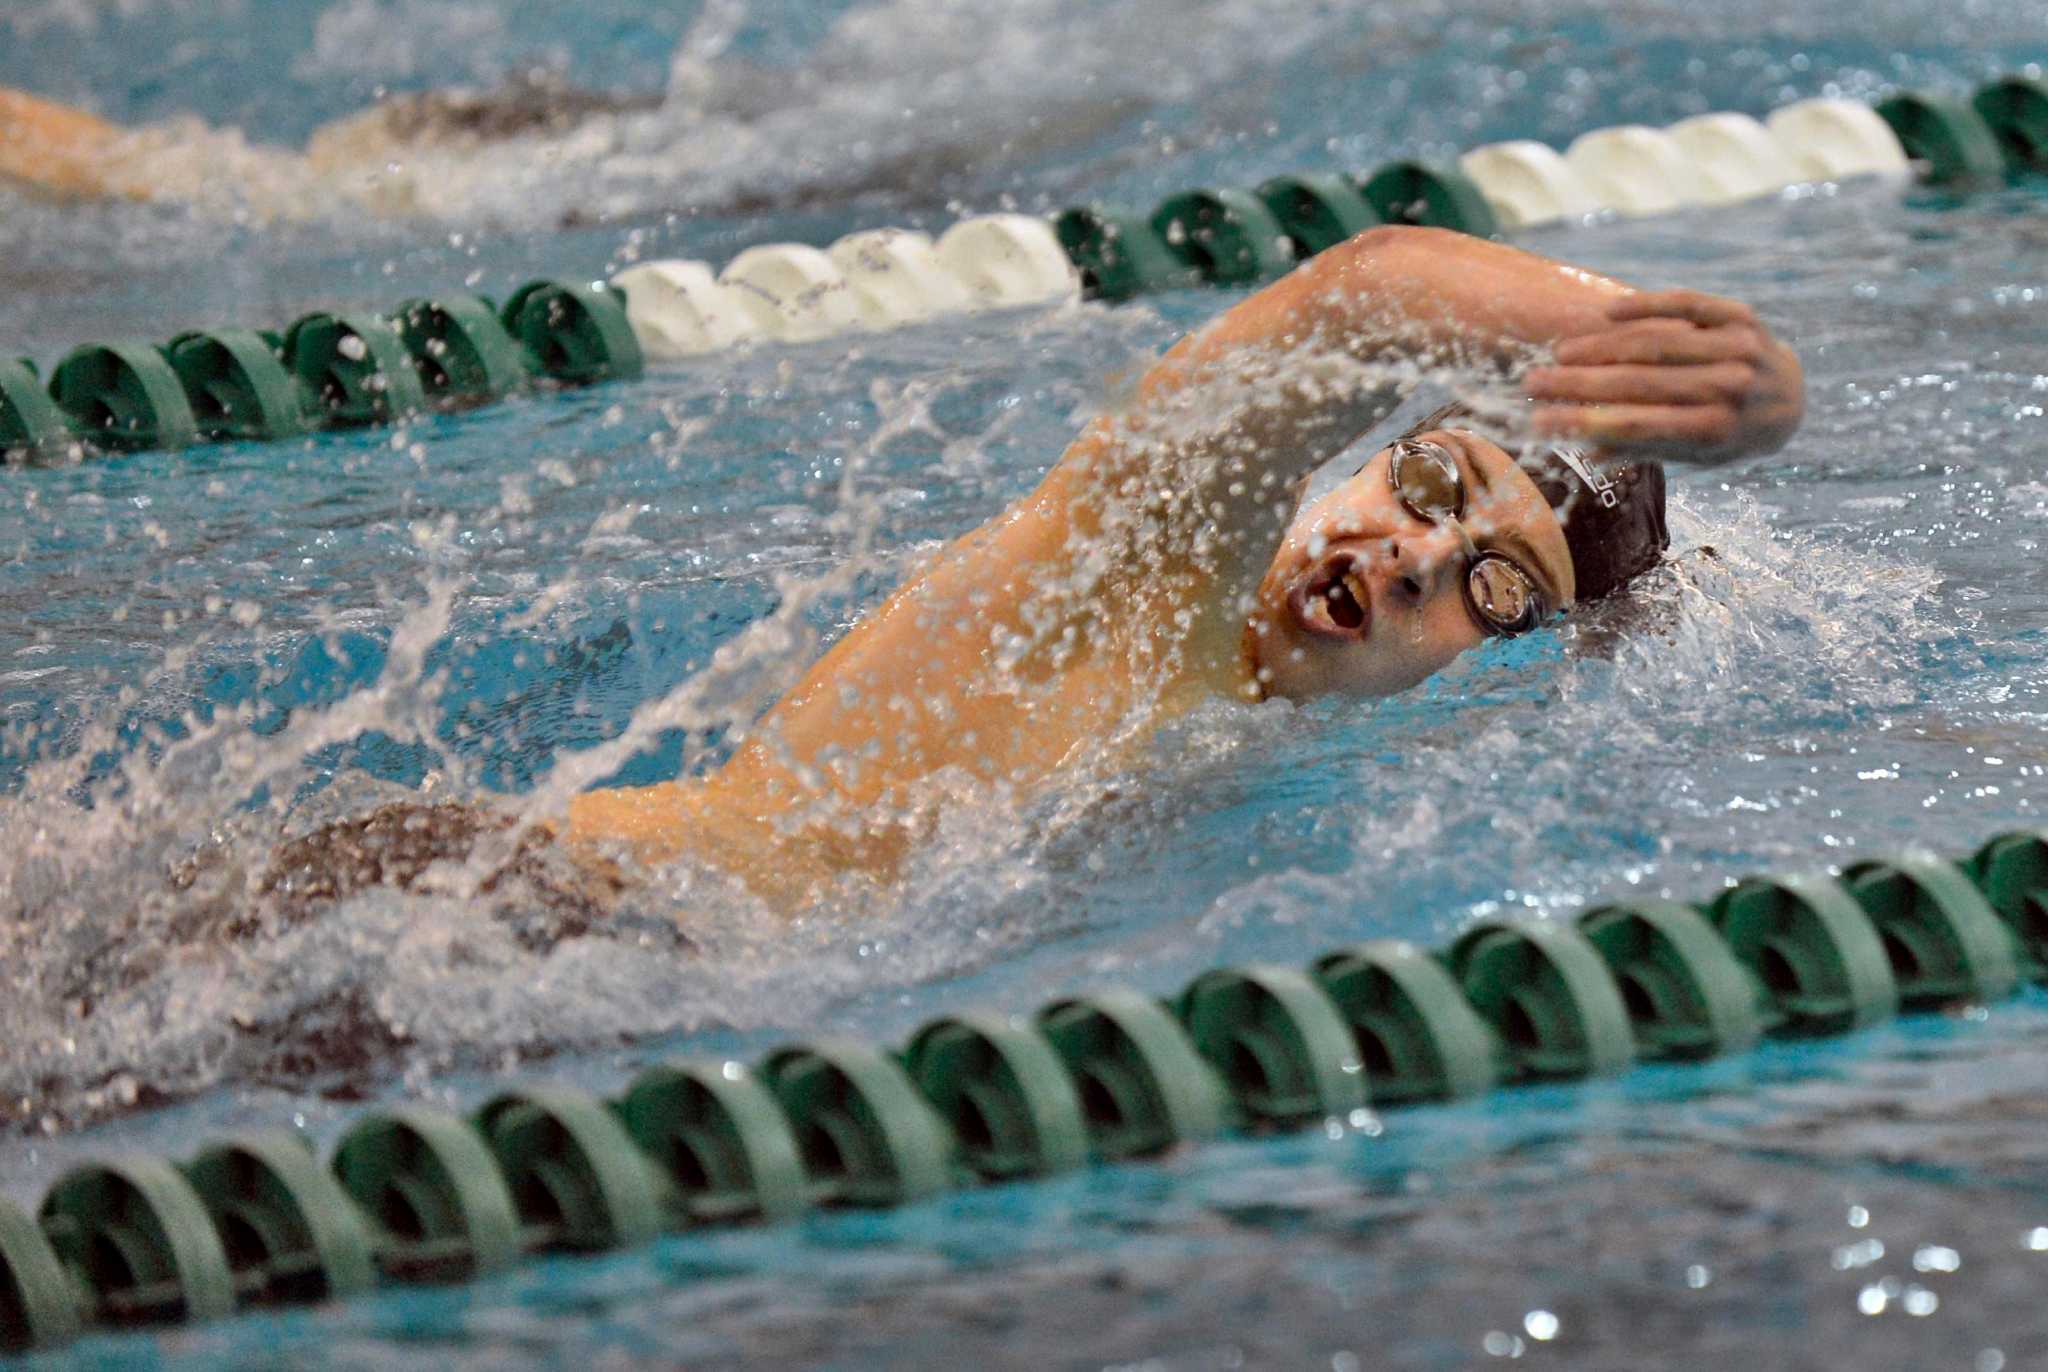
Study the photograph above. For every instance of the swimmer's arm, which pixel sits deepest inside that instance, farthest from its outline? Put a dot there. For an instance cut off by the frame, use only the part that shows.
(54, 148)
(1281, 382)
(1289, 377)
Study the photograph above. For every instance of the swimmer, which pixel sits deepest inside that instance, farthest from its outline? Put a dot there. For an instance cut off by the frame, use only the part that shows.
(1165, 558)
(389, 158)
(1162, 560)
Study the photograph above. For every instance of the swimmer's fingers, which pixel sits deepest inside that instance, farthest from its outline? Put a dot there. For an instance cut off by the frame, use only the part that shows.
(1694, 430)
(1694, 307)
(1659, 341)
(1683, 372)
(1708, 383)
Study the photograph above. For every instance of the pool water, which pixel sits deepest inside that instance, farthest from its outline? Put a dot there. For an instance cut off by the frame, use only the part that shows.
(1845, 656)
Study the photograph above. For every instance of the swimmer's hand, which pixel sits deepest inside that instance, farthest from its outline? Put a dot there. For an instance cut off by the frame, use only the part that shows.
(1680, 373)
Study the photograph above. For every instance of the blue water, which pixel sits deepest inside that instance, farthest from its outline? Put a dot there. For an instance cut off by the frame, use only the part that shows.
(196, 647)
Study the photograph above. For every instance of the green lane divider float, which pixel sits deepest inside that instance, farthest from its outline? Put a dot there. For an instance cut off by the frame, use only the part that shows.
(430, 1188)
(1005, 1093)
(1547, 993)
(719, 1139)
(2016, 110)
(1119, 254)
(418, 1195)
(1422, 193)
(1285, 1053)
(574, 332)
(573, 1170)
(1317, 212)
(1144, 1085)
(237, 386)
(1224, 237)
(865, 1133)
(326, 370)
(1952, 138)
(460, 350)
(1228, 237)
(1417, 1035)
(123, 397)
(354, 368)
(1686, 994)
(41, 1302)
(1941, 936)
(290, 1233)
(140, 1241)
(1814, 950)
(2012, 872)
(30, 422)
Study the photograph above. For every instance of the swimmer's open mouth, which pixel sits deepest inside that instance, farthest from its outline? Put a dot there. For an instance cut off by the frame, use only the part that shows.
(1332, 600)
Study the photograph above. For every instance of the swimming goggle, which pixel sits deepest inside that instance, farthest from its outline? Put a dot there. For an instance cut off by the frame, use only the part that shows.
(1502, 599)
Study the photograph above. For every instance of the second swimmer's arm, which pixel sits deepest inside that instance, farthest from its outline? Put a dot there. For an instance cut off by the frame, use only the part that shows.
(53, 147)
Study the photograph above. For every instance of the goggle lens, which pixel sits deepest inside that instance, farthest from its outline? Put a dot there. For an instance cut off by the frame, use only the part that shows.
(1426, 478)
(1502, 594)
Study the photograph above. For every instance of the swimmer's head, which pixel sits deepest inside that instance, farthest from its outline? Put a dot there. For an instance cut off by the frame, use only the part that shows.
(1439, 542)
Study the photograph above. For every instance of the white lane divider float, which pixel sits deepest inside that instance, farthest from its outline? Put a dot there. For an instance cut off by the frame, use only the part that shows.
(877, 279)
(1831, 139)
(1736, 157)
(793, 291)
(1634, 169)
(896, 277)
(1008, 259)
(1527, 182)
(680, 309)
(881, 278)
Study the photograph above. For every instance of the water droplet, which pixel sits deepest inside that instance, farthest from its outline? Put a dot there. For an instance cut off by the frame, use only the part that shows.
(1935, 1258)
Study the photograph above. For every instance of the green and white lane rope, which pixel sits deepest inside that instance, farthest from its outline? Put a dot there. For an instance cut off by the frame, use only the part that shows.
(459, 351)
(411, 1194)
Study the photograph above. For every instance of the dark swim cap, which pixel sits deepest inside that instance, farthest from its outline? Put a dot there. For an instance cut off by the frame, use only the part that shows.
(1613, 515)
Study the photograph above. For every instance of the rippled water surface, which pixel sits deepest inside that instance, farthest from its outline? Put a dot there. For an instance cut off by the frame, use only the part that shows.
(1847, 654)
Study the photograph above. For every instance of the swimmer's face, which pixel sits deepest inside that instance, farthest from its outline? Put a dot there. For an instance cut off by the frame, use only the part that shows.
(1367, 598)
